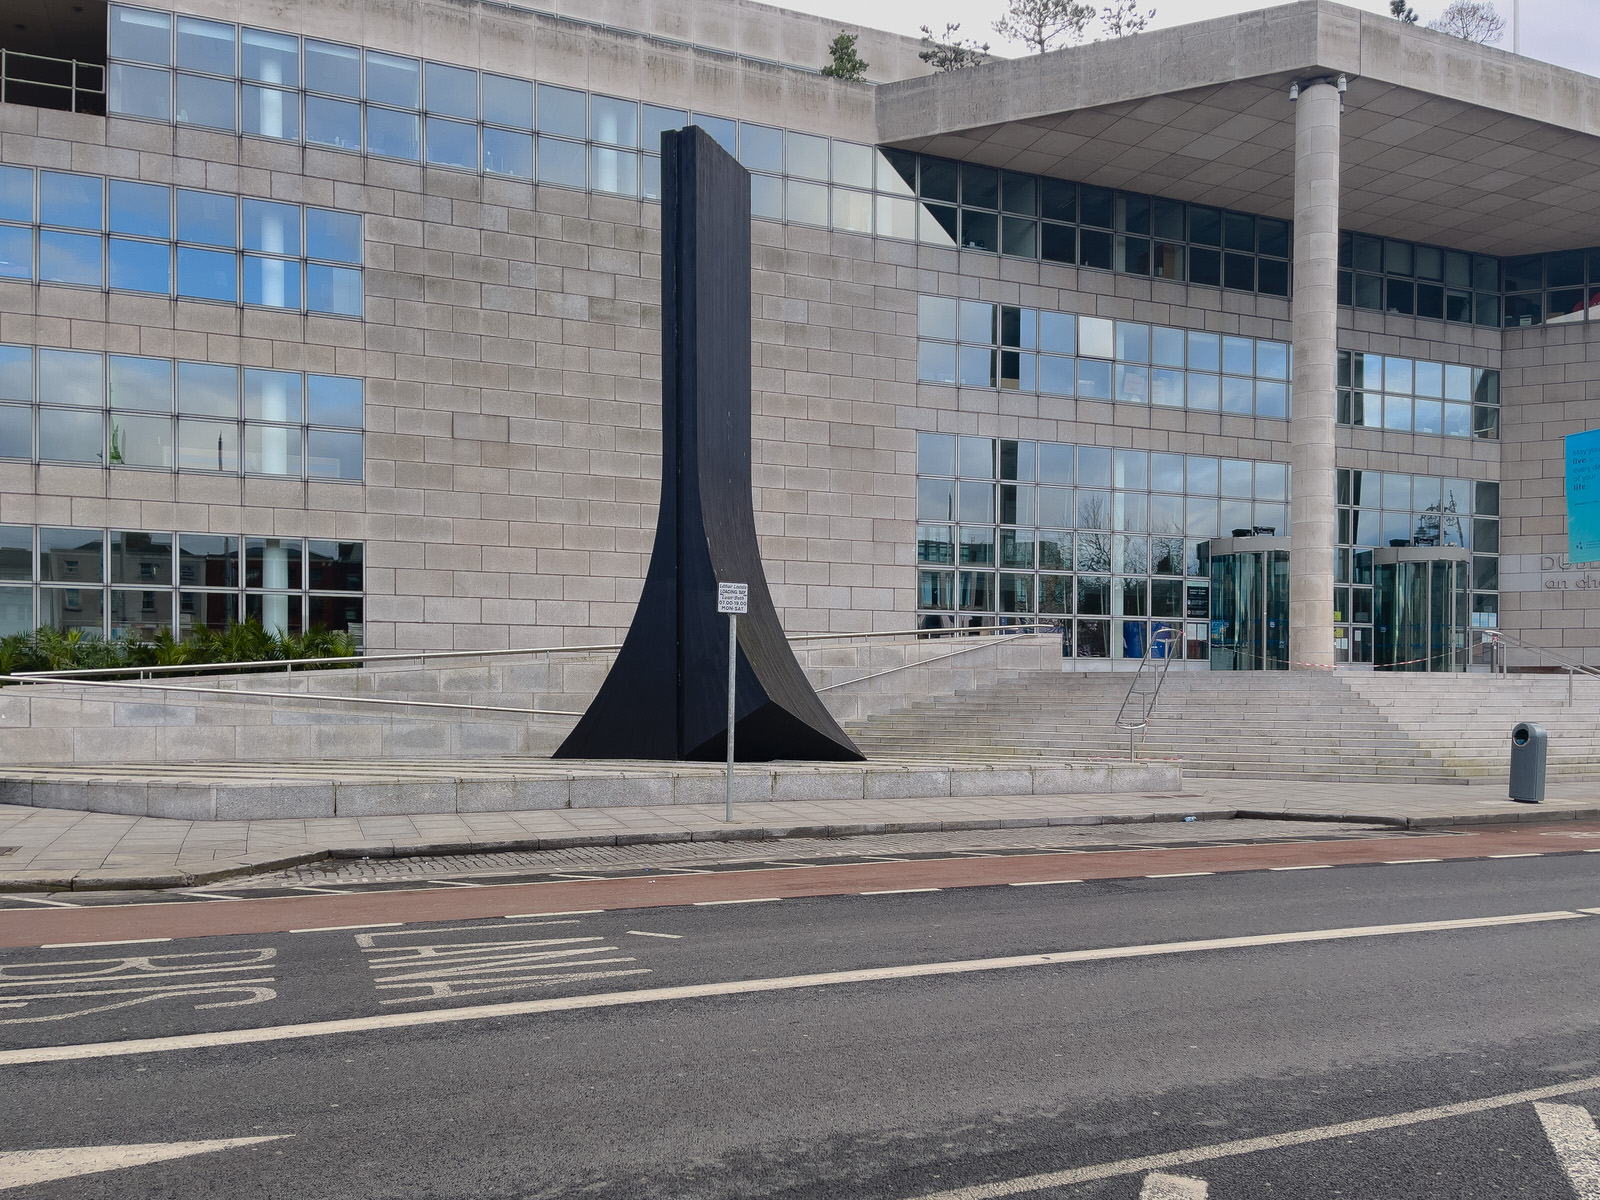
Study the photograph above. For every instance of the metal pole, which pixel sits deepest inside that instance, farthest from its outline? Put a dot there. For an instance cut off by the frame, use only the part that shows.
(733, 661)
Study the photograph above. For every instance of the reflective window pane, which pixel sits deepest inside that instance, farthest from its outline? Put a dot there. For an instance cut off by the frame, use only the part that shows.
(615, 171)
(16, 252)
(761, 147)
(72, 201)
(139, 92)
(452, 144)
(71, 555)
(272, 227)
(723, 131)
(272, 450)
(141, 35)
(272, 395)
(562, 111)
(655, 120)
(332, 68)
(508, 101)
(70, 258)
(16, 373)
(140, 266)
(271, 282)
(140, 383)
(208, 560)
(334, 400)
(393, 134)
(335, 236)
(269, 112)
(269, 57)
(613, 122)
(71, 377)
(335, 290)
(507, 153)
(16, 435)
(334, 566)
(208, 389)
(393, 80)
(333, 455)
(208, 446)
(562, 163)
(71, 435)
(16, 194)
(207, 274)
(209, 218)
(140, 209)
(334, 123)
(206, 46)
(138, 441)
(207, 102)
(807, 155)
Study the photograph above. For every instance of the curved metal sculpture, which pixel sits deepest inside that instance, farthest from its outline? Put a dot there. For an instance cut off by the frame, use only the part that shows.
(666, 696)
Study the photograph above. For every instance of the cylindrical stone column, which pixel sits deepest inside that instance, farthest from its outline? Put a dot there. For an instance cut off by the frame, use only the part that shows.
(1316, 321)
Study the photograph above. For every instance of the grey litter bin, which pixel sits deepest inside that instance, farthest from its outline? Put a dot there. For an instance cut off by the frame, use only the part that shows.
(1529, 744)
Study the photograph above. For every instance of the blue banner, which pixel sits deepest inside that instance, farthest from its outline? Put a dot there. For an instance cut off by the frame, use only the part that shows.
(1583, 497)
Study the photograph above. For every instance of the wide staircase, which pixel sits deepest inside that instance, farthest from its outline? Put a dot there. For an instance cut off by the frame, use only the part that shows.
(1327, 726)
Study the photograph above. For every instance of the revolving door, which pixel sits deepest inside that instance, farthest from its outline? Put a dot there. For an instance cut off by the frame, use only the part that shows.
(1420, 608)
(1249, 603)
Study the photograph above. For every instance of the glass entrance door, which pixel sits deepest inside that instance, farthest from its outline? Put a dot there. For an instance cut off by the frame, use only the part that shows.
(1249, 604)
(1420, 608)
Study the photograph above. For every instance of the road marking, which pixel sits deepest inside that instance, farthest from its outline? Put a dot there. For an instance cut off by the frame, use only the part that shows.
(84, 945)
(1576, 1141)
(59, 991)
(571, 912)
(210, 896)
(1172, 1187)
(1536, 854)
(343, 928)
(745, 987)
(24, 1168)
(753, 900)
(1276, 1141)
(1400, 862)
(644, 933)
(898, 891)
(1317, 867)
(40, 900)
(1181, 875)
(1043, 882)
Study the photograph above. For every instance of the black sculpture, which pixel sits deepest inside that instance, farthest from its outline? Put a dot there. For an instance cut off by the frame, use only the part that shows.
(666, 695)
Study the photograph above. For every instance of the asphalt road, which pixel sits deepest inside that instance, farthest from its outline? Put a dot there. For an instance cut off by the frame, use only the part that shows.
(914, 1078)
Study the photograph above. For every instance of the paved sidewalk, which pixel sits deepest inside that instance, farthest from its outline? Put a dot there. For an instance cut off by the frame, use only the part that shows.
(45, 849)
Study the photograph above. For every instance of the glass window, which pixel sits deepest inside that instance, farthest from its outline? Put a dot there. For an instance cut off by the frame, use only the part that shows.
(71, 555)
(393, 134)
(723, 131)
(936, 454)
(71, 435)
(614, 171)
(16, 194)
(271, 282)
(139, 92)
(269, 112)
(335, 236)
(16, 434)
(208, 445)
(209, 218)
(333, 455)
(141, 35)
(334, 566)
(16, 373)
(272, 227)
(208, 274)
(141, 441)
(141, 209)
(270, 57)
(16, 553)
(208, 560)
(761, 147)
(70, 200)
(393, 80)
(562, 111)
(452, 91)
(141, 383)
(613, 122)
(897, 218)
(71, 377)
(206, 46)
(333, 69)
(335, 290)
(272, 450)
(507, 153)
(852, 164)
(272, 395)
(16, 252)
(335, 400)
(205, 101)
(452, 144)
(806, 203)
(208, 389)
(334, 123)
(70, 258)
(656, 121)
(562, 162)
(508, 101)
(852, 211)
(808, 155)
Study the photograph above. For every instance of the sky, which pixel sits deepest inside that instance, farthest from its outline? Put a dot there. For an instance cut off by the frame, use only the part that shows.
(1565, 32)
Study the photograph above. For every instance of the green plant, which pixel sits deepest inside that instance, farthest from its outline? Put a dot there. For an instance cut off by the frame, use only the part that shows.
(844, 62)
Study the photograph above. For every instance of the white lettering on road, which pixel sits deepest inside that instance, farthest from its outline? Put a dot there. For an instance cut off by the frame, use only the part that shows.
(1172, 1187)
(745, 987)
(1576, 1141)
(423, 969)
(60, 991)
(24, 1168)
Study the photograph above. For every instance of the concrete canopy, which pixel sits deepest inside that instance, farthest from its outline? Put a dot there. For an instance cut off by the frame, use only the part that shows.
(1444, 141)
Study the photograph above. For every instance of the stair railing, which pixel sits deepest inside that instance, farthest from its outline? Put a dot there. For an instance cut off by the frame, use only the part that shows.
(1499, 642)
(1140, 702)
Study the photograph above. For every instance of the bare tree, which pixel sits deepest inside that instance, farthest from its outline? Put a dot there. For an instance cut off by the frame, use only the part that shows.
(1038, 23)
(1123, 17)
(1474, 20)
(947, 52)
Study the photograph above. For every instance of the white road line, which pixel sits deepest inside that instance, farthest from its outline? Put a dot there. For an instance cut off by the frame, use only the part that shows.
(81, 945)
(1536, 854)
(1043, 882)
(898, 891)
(1576, 1141)
(24, 1168)
(342, 928)
(571, 912)
(1172, 1187)
(1277, 1141)
(745, 987)
(210, 896)
(645, 933)
(1181, 875)
(455, 883)
(1400, 862)
(753, 900)
(1317, 867)
(41, 900)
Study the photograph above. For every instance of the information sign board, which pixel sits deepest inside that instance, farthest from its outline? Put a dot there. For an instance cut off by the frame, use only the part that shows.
(733, 598)
(1583, 497)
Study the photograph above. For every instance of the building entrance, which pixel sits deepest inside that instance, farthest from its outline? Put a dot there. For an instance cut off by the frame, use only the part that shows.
(1421, 608)
(1249, 603)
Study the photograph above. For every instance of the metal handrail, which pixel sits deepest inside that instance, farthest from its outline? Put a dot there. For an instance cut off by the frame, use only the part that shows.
(1148, 693)
(1499, 639)
(74, 89)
